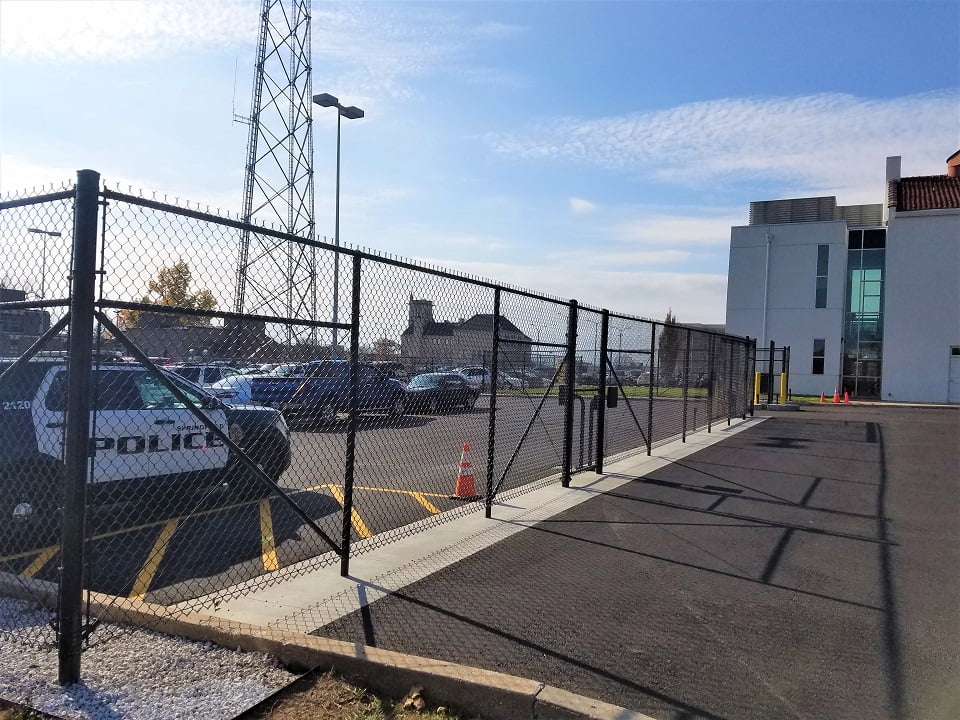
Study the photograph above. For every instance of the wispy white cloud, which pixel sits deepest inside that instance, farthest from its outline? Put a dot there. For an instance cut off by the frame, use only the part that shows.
(377, 51)
(619, 259)
(68, 30)
(830, 140)
(579, 206)
(694, 297)
(672, 230)
(493, 30)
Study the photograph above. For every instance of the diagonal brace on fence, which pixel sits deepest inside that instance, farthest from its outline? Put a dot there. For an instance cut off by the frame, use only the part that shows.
(220, 434)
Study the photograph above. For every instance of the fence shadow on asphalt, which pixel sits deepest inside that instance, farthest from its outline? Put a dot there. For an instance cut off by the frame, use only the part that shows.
(610, 600)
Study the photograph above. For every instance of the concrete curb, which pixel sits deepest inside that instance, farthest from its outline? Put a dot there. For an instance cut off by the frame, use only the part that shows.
(493, 695)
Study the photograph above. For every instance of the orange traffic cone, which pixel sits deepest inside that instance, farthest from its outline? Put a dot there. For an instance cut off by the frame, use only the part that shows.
(465, 489)
(821, 397)
(836, 396)
(846, 397)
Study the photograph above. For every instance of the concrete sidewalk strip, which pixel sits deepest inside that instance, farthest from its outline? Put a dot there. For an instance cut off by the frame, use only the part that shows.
(306, 601)
(494, 695)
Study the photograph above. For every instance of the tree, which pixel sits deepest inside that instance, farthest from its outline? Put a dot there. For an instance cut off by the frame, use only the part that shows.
(171, 288)
(669, 346)
(385, 349)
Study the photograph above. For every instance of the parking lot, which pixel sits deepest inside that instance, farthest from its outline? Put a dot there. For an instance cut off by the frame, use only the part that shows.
(405, 472)
(803, 568)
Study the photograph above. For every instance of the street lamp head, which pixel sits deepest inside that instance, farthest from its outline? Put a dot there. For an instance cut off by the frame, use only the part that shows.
(326, 100)
(351, 113)
(50, 233)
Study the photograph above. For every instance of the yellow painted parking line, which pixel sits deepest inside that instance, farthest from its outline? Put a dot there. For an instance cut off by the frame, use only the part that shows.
(270, 561)
(355, 519)
(426, 503)
(159, 549)
(42, 559)
(379, 489)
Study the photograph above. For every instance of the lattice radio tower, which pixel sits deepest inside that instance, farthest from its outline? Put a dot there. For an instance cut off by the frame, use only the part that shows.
(277, 277)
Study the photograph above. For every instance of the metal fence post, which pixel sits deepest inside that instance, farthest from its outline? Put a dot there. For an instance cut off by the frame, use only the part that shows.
(730, 386)
(686, 383)
(653, 350)
(710, 370)
(492, 427)
(602, 389)
(770, 359)
(571, 392)
(77, 432)
(751, 365)
(351, 452)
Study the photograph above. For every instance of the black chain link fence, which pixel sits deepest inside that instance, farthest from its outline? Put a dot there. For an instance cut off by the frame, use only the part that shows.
(208, 418)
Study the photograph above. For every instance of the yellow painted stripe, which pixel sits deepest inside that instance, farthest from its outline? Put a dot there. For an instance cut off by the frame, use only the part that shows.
(150, 567)
(42, 559)
(270, 561)
(355, 519)
(135, 528)
(426, 503)
(379, 489)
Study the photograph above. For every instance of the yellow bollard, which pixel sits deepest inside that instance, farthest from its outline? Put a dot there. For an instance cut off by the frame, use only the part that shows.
(783, 388)
(756, 388)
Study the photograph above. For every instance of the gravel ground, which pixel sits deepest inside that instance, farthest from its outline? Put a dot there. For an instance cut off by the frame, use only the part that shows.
(134, 674)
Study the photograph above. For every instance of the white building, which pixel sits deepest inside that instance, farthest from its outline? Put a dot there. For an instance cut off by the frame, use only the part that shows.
(866, 296)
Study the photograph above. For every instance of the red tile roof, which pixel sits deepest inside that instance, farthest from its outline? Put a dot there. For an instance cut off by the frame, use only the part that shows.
(929, 192)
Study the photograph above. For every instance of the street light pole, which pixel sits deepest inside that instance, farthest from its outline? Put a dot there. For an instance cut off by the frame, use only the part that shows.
(351, 113)
(43, 257)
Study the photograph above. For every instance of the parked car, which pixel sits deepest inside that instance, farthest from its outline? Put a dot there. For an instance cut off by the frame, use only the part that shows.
(319, 390)
(146, 440)
(478, 377)
(509, 382)
(440, 392)
(202, 375)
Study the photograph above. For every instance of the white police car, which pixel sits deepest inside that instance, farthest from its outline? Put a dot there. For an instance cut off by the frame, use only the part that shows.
(143, 439)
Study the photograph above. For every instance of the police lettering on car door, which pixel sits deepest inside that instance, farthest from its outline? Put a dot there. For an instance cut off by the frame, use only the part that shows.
(139, 429)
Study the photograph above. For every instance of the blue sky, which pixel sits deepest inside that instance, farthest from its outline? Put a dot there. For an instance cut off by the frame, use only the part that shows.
(592, 150)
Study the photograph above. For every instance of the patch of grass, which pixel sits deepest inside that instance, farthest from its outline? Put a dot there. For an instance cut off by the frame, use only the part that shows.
(324, 695)
(12, 711)
(316, 695)
(630, 391)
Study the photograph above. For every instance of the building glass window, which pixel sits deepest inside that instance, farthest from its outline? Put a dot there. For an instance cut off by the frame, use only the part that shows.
(819, 354)
(823, 264)
(863, 328)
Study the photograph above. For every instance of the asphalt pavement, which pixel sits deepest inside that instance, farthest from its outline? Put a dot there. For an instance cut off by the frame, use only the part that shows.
(804, 567)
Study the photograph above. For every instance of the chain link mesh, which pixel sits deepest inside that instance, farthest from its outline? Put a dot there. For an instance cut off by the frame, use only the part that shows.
(319, 409)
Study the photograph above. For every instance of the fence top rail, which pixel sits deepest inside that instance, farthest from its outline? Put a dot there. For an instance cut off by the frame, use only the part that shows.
(364, 254)
(37, 199)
